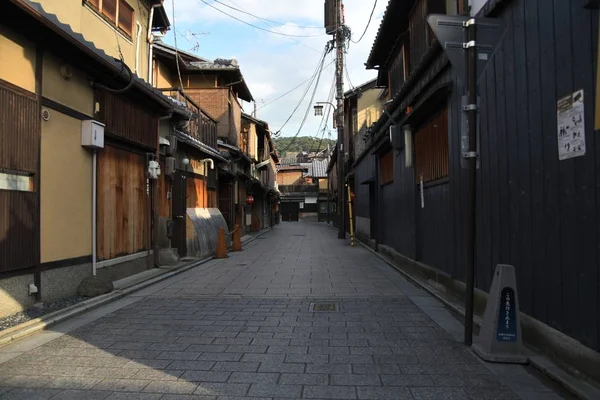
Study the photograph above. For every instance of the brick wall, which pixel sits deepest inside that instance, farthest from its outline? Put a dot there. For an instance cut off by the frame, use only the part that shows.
(237, 120)
(214, 102)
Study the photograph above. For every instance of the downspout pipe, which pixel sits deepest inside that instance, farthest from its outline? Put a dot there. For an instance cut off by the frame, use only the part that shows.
(94, 208)
(150, 39)
(137, 47)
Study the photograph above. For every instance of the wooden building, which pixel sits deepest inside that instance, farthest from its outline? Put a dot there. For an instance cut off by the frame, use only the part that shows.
(53, 84)
(538, 206)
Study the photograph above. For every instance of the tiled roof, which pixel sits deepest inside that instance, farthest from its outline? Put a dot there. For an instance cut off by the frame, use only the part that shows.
(199, 145)
(295, 167)
(160, 45)
(36, 9)
(393, 23)
(218, 64)
(318, 168)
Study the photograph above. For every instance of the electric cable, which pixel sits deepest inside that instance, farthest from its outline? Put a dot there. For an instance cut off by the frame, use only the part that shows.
(255, 26)
(309, 105)
(241, 10)
(368, 24)
(288, 92)
(318, 71)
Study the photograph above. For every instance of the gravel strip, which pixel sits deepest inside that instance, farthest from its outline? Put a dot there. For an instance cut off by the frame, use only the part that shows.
(38, 311)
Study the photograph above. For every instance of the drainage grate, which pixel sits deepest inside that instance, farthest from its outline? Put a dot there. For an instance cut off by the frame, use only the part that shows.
(300, 234)
(324, 307)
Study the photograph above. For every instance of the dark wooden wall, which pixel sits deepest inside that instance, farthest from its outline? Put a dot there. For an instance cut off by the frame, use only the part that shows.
(19, 151)
(364, 171)
(396, 209)
(535, 212)
(126, 119)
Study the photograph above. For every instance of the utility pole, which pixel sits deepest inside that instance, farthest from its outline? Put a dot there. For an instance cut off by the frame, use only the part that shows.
(472, 176)
(340, 48)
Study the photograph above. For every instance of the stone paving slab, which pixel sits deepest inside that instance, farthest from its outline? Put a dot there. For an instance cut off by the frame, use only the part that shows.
(212, 334)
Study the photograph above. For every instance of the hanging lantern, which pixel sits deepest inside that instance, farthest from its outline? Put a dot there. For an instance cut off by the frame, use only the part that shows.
(250, 199)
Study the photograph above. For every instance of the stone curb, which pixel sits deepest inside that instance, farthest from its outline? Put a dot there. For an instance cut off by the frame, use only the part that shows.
(576, 386)
(28, 328)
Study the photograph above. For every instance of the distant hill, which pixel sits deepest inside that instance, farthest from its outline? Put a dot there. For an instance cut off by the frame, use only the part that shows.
(301, 143)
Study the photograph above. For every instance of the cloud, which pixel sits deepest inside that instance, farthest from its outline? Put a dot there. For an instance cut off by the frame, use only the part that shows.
(274, 64)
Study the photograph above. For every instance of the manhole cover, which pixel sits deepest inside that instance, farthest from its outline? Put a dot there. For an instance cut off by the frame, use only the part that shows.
(324, 307)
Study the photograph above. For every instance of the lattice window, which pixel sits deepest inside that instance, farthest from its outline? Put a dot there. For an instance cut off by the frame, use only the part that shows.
(431, 148)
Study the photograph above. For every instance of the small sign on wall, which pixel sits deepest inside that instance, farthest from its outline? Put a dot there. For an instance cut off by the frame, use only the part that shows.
(571, 126)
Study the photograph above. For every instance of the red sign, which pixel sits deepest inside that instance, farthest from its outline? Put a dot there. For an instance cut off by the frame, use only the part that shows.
(250, 200)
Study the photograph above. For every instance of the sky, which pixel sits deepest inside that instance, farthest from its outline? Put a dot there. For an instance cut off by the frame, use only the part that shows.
(274, 64)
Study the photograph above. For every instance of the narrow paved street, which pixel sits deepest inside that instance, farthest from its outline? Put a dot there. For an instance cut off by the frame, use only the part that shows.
(243, 328)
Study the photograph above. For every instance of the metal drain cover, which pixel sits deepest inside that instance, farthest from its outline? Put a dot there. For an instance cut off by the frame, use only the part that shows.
(324, 307)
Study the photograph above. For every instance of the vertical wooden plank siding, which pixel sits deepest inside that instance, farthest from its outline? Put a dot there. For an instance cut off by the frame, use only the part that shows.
(586, 201)
(397, 71)
(123, 224)
(19, 151)
(127, 119)
(196, 193)
(19, 130)
(536, 212)
(418, 33)
(386, 167)
(431, 148)
(19, 242)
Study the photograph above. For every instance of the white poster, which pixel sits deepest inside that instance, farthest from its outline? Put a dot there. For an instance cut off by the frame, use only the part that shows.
(571, 126)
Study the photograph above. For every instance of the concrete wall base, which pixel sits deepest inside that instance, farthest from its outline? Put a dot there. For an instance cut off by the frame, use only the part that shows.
(60, 283)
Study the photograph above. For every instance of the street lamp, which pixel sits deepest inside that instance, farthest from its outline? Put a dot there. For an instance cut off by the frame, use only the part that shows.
(319, 107)
(319, 111)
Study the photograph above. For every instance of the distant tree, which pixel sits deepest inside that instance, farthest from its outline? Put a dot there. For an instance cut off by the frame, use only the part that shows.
(302, 143)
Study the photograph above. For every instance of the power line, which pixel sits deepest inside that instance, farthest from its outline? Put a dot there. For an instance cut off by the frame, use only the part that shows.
(176, 52)
(267, 25)
(368, 23)
(255, 26)
(317, 72)
(241, 10)
(289, 91)
(347, 73)
(309, 104)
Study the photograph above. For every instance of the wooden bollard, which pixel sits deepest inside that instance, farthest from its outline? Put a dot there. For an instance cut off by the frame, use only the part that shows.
(237, 239)
(221, 251)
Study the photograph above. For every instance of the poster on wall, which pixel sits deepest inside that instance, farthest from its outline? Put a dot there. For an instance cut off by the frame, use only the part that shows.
(571, 126)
